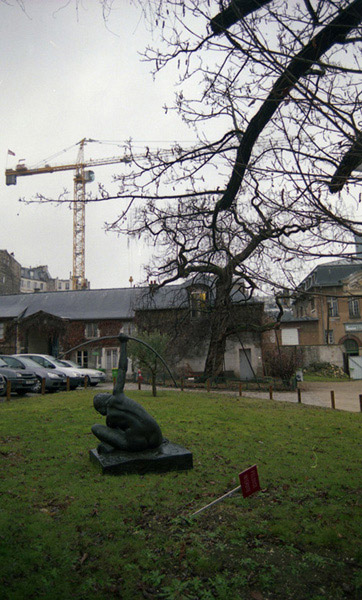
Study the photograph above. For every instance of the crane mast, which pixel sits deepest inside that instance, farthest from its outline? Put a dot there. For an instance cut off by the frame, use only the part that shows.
(81, 178)
(78, 274)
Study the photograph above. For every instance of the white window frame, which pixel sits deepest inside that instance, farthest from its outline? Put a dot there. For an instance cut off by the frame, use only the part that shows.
(353, 307)
(332, 302)
(114, 358)
(91, 330)
(82, 358)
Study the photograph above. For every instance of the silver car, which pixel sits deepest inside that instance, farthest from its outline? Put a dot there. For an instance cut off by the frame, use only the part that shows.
(94, 376)
(50, 362)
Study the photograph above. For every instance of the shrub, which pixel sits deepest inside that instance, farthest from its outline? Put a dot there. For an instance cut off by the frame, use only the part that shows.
(282, 362)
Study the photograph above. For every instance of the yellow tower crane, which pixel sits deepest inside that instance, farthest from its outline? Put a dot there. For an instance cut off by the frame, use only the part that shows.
(81, 177)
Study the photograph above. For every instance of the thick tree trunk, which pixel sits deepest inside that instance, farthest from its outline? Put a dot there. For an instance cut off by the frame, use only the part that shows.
(220, 321)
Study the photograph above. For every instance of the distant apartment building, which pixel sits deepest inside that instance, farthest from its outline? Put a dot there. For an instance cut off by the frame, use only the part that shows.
(15, 279)
(10, 273)
(38, 279)
(35, 279)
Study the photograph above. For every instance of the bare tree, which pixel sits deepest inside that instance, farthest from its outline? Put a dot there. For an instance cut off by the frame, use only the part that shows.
(272, 91)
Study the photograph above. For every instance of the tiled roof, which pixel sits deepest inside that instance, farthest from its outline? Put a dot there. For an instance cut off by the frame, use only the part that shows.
(75, 304)
(115, 303)
(332, 273)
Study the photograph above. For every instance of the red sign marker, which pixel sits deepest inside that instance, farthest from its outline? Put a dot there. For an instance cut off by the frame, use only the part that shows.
(249, 481)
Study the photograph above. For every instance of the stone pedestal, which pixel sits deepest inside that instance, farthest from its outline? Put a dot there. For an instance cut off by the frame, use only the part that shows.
(167, 457)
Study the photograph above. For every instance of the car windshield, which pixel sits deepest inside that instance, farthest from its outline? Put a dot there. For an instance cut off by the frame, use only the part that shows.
(70, 363)
(60, 363)
(42, 361)
(28, 362)
(12, 362)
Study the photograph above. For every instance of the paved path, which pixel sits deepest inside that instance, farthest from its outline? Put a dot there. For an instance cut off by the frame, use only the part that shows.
(346, 394)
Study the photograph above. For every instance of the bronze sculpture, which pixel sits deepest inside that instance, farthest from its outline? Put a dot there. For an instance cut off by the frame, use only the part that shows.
(129, 426)
(131, 441)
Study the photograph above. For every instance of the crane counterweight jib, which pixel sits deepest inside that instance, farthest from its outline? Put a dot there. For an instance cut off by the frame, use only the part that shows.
(22, 170)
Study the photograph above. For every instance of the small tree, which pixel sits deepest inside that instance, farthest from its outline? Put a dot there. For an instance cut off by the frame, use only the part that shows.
(145, 358)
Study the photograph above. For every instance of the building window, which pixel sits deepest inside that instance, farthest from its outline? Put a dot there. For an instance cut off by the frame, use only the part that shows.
(290, 337)
(2, 331)
(82, 358)
(312, 304)
(111, 358)
(91, 330)
(198, 303)
(353, 306)
(67, 285)
(332, 307)
(329, 336)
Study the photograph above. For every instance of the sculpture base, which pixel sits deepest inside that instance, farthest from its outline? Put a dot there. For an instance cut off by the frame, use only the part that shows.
(167, 457)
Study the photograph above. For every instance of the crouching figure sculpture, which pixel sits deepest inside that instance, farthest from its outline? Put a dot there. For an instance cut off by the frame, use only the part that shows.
(129, 427)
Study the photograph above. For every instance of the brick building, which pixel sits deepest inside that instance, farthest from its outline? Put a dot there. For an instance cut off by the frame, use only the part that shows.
(54, 322)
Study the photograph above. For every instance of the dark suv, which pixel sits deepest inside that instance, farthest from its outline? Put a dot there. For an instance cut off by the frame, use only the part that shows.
(22, 380)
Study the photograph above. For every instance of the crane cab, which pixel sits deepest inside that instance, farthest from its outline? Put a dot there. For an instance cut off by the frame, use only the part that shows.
(10, 178)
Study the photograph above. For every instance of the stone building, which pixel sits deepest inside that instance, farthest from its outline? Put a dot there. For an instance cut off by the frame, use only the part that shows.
(38, 279)
(326, 321)
(10, 273)
(35, 279)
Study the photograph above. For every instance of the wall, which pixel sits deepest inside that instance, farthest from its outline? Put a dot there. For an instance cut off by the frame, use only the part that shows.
(321, 353)
(250, 341)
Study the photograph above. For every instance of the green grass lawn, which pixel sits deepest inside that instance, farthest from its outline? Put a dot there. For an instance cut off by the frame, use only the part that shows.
(316, 377)
(69, 532)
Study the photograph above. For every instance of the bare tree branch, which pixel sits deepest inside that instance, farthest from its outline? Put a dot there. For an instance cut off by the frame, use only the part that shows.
(334, 32)
(351, 160)
(237, 9)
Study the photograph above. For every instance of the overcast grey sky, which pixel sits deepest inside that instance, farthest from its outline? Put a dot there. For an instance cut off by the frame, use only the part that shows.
(65, 76)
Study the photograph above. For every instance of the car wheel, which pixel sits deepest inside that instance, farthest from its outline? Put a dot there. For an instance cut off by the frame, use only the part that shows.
(93, 384)
(37, 387)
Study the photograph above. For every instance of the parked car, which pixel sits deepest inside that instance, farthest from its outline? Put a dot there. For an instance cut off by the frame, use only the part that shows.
(2, 385)
(93, 375)
(22, 380)
(50, 362)
(54, 379)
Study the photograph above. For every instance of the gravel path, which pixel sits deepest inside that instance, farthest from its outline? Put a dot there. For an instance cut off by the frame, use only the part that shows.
(346, 394)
